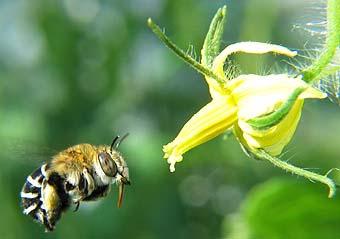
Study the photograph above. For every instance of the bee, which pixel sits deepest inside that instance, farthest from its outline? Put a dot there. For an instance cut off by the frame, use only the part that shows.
(80, 173)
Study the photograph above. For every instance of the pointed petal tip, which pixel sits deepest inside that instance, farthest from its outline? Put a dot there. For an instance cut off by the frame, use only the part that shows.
(149, 21)
(313, 93)
(291, 53)
(223, 10)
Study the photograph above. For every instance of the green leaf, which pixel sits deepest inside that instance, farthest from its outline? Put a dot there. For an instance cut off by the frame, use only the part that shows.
(212, 42)
(287, 209)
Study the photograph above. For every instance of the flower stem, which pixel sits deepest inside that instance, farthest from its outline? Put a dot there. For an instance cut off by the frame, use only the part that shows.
(332, 42)
(298, 171)
(180, 53)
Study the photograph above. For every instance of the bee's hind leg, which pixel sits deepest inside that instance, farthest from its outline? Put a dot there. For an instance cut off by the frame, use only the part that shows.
(77, 206)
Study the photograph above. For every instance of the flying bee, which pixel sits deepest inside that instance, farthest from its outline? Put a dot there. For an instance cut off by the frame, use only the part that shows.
(80, 173)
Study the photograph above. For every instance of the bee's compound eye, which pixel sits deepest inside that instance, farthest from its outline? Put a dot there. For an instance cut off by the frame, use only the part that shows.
(107, 164)
(69, 186)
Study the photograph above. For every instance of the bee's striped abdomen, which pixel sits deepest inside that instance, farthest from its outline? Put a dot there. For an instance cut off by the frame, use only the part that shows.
(43, 197)
(31, 194)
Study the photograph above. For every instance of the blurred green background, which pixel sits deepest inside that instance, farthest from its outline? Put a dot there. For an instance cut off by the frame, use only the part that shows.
(76, 71)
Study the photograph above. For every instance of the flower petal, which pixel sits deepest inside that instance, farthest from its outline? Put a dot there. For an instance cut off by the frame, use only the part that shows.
(248, 47)
(260, 95)
(215, 88)
(212, 120)
(274, 139)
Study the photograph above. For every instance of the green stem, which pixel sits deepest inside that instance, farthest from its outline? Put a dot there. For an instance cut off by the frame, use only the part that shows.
(185, 57)
(331, 44)
(298, 171)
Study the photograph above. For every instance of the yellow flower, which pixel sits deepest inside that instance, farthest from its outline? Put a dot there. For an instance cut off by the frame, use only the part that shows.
(263, 110)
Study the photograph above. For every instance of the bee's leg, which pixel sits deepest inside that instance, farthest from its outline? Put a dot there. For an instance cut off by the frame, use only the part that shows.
(54, 199)
(84, 188)
(99, 192)
(87, 184)
(77, 206)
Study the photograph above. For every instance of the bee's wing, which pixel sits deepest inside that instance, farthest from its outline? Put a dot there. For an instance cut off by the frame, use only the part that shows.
(25, 153)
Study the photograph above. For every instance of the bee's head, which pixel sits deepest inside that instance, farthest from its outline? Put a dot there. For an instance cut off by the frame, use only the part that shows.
(114, 167)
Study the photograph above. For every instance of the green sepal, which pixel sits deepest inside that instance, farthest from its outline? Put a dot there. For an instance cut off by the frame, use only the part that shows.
(181, 54)
(212, 42)
(269, 120)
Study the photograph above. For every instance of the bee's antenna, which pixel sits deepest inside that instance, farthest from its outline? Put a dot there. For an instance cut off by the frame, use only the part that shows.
(117, 141)
(114, 141)
(121, 140)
